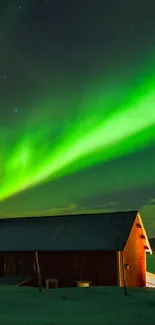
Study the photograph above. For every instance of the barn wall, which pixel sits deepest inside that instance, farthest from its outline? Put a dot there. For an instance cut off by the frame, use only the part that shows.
(68, 267)
(2, 262)
(134, 259)
(17, 263)
(98, 267)
(119, 270)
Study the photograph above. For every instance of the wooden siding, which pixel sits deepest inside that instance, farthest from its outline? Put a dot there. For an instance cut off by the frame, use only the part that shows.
(17, 263)
(2, 262)
(68, 267)
(134, 258)
(98, 267)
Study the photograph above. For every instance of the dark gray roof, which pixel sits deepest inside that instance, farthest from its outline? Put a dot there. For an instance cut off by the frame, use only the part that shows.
(104, 231)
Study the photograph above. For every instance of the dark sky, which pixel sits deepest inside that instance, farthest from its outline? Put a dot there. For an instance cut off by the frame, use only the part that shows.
(77, 113)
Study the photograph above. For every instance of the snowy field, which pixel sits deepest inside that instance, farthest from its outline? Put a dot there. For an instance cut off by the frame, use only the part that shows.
(76, 306)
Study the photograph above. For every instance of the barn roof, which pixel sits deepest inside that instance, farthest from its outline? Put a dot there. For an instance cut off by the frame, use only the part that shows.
(104, 231)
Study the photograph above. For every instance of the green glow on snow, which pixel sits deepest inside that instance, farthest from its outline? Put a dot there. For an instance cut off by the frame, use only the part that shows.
(93, 137)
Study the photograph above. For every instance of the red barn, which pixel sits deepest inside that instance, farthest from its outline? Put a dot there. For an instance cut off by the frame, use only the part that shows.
(106, 249)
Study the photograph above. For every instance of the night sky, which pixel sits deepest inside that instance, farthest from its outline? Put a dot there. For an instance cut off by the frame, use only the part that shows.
(77, 107)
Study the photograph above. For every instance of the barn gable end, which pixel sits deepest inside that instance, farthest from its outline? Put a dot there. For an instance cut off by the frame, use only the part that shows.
(133, 258)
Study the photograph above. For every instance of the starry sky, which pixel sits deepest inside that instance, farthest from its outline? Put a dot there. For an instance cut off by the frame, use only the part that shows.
(77, 107)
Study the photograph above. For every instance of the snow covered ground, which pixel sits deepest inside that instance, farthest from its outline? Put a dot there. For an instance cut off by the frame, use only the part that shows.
(76, 306)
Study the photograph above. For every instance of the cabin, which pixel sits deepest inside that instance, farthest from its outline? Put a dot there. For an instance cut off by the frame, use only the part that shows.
(106, 249)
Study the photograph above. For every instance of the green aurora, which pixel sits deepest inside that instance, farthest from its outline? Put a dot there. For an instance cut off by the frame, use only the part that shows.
(89, 139)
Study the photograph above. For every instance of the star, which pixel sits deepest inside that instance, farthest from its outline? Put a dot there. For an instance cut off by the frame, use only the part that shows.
(4, 77)
(16, 110)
